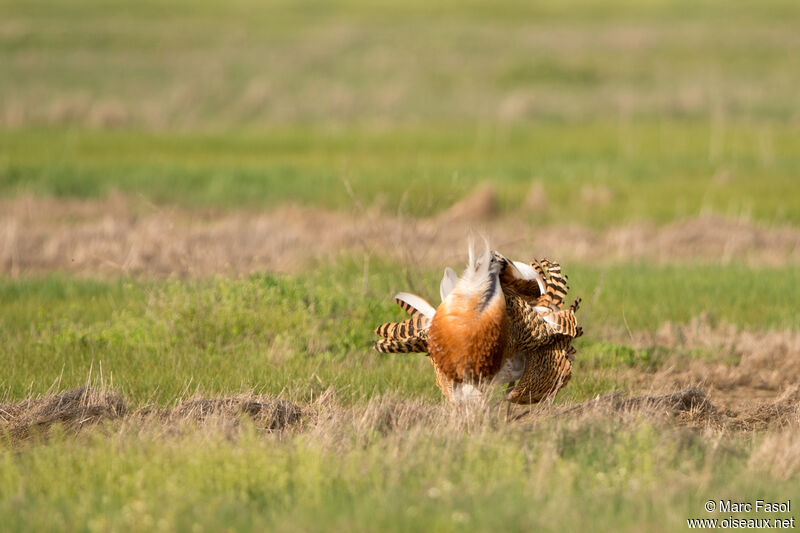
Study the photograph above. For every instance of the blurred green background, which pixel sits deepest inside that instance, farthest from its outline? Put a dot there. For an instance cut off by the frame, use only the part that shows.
(672, 107)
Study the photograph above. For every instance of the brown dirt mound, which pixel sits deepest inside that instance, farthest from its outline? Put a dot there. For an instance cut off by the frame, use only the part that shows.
(692, 400)
(73, 409)
(691, 407)
(781, 412)
(267, 413)
(480, 205)
(121, 235)
(86, 406)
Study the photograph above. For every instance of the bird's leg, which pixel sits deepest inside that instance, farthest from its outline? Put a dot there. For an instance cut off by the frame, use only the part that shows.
(509, 388)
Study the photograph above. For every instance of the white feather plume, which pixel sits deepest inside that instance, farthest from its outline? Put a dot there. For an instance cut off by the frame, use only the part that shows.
(448, 283)
(417, 302)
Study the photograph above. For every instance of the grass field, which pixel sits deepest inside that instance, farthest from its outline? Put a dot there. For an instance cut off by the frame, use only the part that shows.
(206, 208)
(300, 335)
(647, 171)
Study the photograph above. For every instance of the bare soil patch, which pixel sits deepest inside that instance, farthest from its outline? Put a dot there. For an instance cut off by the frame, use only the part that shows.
(120, 235)
(739, 368)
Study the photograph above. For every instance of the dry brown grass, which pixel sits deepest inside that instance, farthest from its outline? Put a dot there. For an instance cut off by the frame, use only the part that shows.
(90, 406)
(120, 235)
(74, 409)
(327, 419)
(690, 406)
(778, 454)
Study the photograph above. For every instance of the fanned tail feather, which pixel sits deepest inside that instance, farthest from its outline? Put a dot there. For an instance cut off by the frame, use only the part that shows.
(407, 328)
(562, 322)
(408, 345)
(412, 303)
(410, 335)
(556, 283)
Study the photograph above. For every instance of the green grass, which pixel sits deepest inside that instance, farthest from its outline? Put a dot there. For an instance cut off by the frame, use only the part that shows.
(109, 64)
(256, 104)
(410, 104)
(667, 175)
(582, 475)
(299, 335)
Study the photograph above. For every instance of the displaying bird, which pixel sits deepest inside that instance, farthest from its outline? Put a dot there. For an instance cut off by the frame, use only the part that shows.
(500, 322)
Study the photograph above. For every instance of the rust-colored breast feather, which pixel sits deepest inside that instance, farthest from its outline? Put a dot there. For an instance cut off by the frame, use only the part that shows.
(465, 343)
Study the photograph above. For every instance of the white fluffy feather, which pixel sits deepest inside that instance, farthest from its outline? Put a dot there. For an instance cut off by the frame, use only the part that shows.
(417, 302)
(524, 271)
(528, 272)
(466, 393)
(449, 281)
(476, 277)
